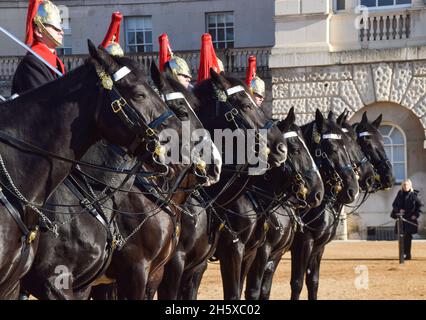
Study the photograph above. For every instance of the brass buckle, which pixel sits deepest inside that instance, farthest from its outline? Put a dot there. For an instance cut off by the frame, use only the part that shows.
(229, 116)
(117, 105)
(150, 132)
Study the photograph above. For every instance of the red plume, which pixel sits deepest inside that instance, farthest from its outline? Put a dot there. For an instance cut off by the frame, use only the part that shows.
(165, 51)
(113, 30)
(31, 13)
(251, 70)
(207, 58)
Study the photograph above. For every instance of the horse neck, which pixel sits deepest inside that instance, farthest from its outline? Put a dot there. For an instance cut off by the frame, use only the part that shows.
(57, 117)
(108, 156)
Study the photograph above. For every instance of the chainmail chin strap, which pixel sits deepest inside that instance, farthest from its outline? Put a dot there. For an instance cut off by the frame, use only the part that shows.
(10, 186)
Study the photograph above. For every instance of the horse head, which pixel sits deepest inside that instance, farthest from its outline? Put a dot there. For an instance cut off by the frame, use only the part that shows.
(301, 174)
(204, 155)
(371, 142)
(324, 139)
(228, 104)
(362, 166)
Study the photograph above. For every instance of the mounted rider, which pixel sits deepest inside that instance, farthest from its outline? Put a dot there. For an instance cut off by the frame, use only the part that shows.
(177, 65)
(256, 84)
(112, 38)
(43, 34)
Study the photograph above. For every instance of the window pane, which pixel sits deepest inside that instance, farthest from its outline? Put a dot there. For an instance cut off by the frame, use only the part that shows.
(397, 137)
(387, 141)
(148, 23)
(131, 23)
(148, 37)
(384, 130)
(399, 172)
(386, 2)
(398, 154)
(221, 34)
(221, 20)
(221, 45)
(229, 18)
(148, 48)
(211, 19)
(230, 44)
(213, 34)
(388, 151)
(229, 34)
(403, 1)
(139, 25)
(132, 49)
(139, 38)
(131, 38)
(141, 48)
(340, 4)
(368, 3)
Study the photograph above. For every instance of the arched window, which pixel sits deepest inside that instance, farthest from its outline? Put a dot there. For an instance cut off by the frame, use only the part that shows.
(395, 147)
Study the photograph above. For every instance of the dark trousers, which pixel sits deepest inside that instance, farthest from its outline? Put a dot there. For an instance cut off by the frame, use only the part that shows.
(407, 244)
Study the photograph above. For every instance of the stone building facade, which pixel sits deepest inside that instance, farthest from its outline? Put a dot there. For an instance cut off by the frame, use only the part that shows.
(321, 60)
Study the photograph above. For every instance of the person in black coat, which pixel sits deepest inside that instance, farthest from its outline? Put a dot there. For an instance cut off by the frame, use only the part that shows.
(408, 204)
(43, 34)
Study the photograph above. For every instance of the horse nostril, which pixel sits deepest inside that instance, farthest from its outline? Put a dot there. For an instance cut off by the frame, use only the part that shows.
(318, 196)
(281, 148)
(217, 170)
(351, 193)
(370, 181)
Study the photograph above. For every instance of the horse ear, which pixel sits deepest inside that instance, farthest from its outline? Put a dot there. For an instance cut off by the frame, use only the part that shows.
(218, 80)
(285, 124)
(376, 123)
(341, 118)
(319, 120)
(92, 49)
(156, 76)
(345, 118)
(364, 119)
(101, 56)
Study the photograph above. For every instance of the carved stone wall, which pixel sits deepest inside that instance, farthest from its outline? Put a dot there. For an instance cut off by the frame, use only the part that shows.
(349, 86)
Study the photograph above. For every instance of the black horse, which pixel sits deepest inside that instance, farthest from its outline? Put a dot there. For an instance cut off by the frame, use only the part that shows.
(321, 223)
(253, 214)
(283, 221)
(201, 228)
(215, 112)
(85, 263)
(63, 119)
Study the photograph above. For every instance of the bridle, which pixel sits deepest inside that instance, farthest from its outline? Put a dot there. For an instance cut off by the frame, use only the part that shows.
(298, 183)
(145, 132)
(379, 166)
(332, 176)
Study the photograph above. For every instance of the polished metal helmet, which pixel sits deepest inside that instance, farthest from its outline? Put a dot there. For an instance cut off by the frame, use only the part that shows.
(114, 49)
(111, 42)
(48, 14)
(179, 66)
(257, 86)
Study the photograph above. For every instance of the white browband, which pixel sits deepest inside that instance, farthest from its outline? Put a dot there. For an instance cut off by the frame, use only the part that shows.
(345, 130)
(120, 74)
(174, 96)
(332, 136)
(290, 134)
(234, 90)
(364, 134)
